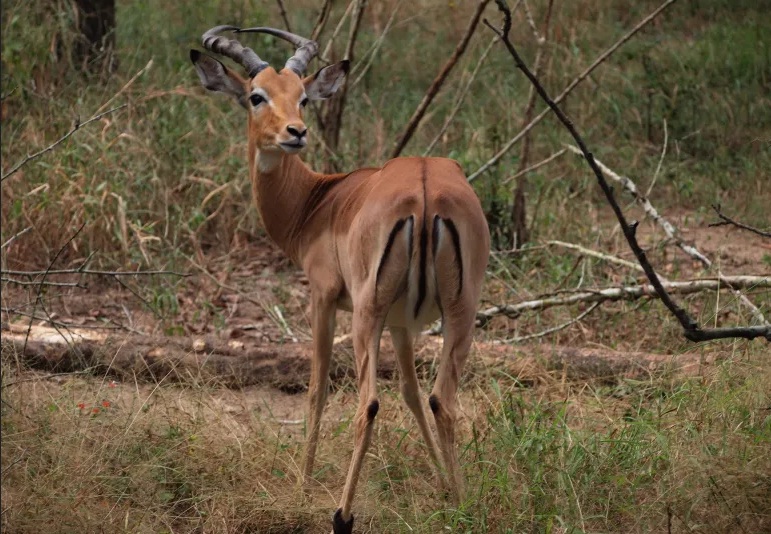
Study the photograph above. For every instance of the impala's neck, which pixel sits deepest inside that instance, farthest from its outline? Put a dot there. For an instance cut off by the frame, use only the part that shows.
(282, 186)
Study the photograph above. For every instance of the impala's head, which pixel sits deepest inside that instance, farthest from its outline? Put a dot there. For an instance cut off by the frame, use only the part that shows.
(274, 100)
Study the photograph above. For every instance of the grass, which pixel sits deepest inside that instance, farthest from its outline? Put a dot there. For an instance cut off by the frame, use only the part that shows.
(633, 456)
(162, 184)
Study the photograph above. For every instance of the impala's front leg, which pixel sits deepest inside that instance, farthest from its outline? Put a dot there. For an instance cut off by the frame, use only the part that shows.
(323, 328)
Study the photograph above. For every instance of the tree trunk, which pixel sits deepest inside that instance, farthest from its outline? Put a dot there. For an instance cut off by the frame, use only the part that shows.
(93, 51)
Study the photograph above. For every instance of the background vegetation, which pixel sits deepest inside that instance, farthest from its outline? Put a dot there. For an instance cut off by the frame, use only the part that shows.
(162, 184)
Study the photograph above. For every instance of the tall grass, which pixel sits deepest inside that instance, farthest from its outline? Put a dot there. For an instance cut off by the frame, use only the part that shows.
(149, 178)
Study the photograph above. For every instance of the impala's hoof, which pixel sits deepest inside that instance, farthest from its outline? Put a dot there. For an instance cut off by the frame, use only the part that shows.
(339, 526)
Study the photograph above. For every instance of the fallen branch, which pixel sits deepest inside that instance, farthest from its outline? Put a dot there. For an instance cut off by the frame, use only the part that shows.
(691, 329)
(569, 89)
(622, 293)
(726, 220)
(668, 227)
(599, 255)
(438, 81)
(93, 272)
(77, 126)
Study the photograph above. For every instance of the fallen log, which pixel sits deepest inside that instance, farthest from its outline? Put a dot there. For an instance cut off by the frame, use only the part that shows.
(235, 364)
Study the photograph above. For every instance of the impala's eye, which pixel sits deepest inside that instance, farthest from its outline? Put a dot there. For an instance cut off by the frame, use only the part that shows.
(304, 102)
(256, 99)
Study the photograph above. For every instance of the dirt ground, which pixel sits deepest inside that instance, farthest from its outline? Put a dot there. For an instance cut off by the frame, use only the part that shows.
(241, 319)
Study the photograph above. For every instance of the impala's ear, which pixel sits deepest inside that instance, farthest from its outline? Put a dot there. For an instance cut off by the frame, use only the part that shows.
(217, 77)
(327, 81)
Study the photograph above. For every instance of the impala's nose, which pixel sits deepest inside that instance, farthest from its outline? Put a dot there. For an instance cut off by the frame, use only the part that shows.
(297, 130)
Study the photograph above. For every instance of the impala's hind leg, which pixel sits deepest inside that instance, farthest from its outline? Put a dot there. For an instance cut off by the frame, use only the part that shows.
(405, 357)
(458, 332)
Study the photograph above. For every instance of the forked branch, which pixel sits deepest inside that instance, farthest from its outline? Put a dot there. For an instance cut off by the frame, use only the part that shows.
(691, 329)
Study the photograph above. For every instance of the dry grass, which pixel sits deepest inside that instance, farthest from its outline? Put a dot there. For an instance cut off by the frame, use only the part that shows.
(625, 455)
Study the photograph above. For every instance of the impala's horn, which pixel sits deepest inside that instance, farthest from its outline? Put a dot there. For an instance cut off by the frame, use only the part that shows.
(306, 49)
(231, 48)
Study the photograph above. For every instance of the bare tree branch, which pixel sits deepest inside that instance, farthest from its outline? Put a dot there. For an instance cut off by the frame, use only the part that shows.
(668, 227)
(691, 329)
(77, 126)
(726, 220)
(599, 255)
(439, 81)
(375, 48)
(283, 15)
(460, 98)
(318, 27)
(569, 89)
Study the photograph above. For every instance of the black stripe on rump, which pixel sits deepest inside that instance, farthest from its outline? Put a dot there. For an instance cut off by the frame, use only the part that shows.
(456, 245)
(389, 244)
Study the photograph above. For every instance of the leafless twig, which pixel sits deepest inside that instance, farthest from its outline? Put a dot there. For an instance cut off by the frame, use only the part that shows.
(569, 89)
(318, 27)
(536, 165)
(461, 97)
(15, 236)
(661, 160)
(433, 89)
(372, 52)
(544, 333)
(45, 283)
(726, 220)
(283, 15)
(691, 329)
(77, 126)
(599, 255)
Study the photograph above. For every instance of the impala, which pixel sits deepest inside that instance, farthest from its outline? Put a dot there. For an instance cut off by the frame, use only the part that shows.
(399, 246)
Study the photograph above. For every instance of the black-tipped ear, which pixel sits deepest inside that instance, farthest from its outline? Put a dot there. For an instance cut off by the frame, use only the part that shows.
(327, 81)
(215, 76)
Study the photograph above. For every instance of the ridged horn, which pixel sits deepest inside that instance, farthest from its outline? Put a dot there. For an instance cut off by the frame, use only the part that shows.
(231, 48)
(306, 49)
